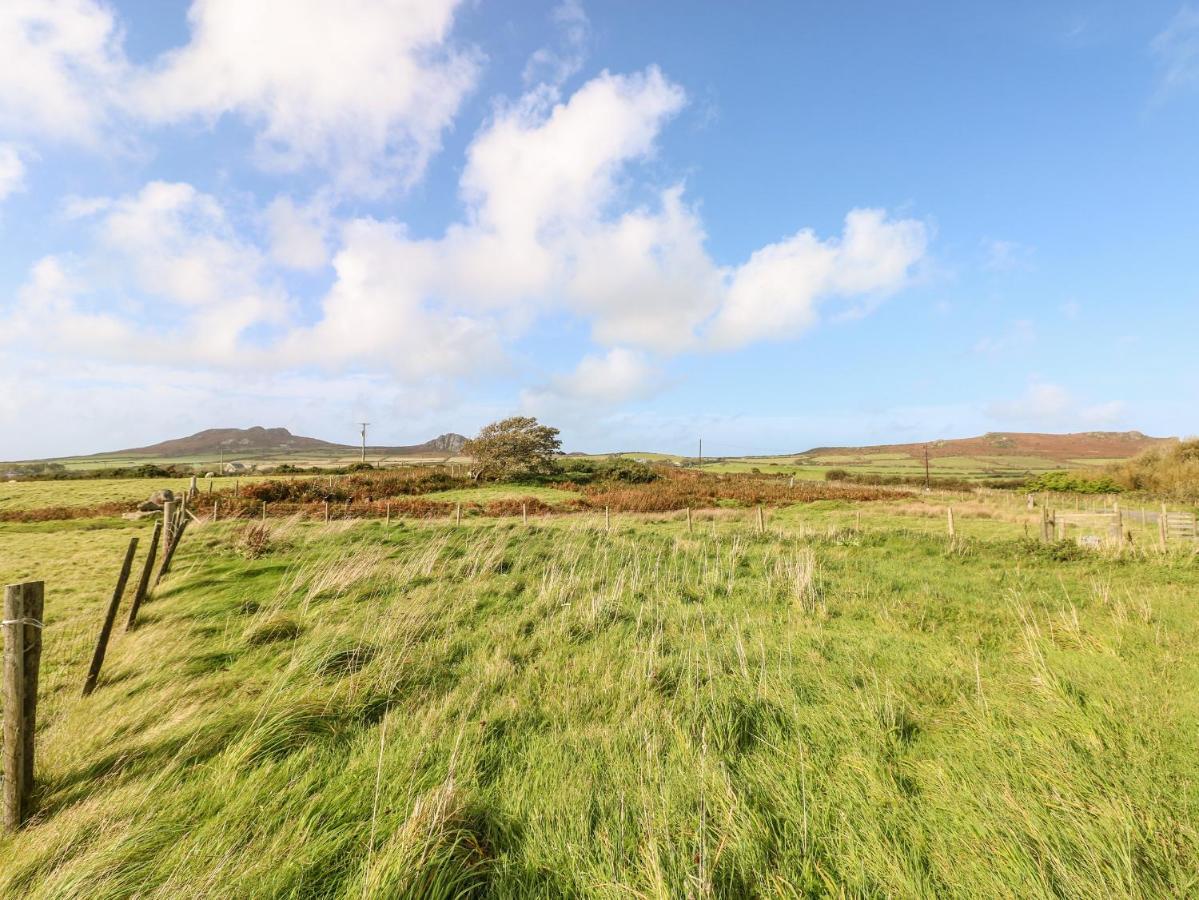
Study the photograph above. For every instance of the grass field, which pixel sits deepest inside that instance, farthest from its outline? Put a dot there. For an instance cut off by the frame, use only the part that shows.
(848, 704)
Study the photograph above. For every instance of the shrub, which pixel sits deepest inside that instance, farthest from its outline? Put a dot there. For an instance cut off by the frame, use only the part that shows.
(1073, 483)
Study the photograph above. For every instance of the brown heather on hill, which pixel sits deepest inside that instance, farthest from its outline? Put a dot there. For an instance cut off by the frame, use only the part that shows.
(236, 442)
(1061, 447)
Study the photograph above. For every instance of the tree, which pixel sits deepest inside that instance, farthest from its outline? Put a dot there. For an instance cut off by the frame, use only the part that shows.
(518, 445)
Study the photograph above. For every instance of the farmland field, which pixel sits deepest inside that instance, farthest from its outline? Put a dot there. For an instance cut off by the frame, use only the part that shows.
(848, 703)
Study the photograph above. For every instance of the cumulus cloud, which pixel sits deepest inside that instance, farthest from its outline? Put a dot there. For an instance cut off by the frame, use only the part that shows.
(63, 67)
(777, 293)
(364, 88)
(378, 313)
(547, 230)
(599, 382)
(297, 234)
(12, 170)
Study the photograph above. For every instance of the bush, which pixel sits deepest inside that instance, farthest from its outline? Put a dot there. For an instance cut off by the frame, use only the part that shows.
(1073, 483)
(1168, 471)
(838, 475)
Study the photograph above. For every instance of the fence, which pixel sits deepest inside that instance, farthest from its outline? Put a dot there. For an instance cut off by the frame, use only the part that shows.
(22, 626)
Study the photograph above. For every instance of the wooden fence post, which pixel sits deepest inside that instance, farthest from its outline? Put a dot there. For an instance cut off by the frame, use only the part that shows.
(949, 514)
(761, 521)
(1163, 526)
(93, 672)
(143, 583)
(22, 627)
(524, 513)
(168, 522)
(168, 552)
(690, 530)
(326, 512)
(216, 509)
(388, 515)
(607, 519)
(264, 510)
(457, 513)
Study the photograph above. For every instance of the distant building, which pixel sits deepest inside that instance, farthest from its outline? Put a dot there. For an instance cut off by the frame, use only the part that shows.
(235, 468)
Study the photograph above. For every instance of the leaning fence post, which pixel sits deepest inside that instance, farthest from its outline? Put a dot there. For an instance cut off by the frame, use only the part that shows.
(168, 522)
(143, 583)
(168, 552)
(93, 671)
(22, 627)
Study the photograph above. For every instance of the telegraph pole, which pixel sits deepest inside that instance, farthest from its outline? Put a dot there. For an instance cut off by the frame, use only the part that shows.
(701, 453)
(364, 424)
(926, 484)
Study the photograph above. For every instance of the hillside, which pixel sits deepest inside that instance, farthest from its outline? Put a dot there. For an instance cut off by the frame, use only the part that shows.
(1060, 447)
(232, 440)
(259, 440)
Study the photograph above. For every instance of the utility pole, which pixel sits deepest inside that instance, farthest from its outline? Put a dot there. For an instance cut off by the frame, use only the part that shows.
(364, 424)
(701, 453)
(926, 481)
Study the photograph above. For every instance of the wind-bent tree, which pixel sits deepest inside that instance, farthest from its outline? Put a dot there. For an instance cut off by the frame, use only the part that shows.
(515, 446)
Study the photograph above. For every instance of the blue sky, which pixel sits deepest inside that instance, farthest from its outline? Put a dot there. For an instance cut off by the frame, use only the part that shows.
(772, 225)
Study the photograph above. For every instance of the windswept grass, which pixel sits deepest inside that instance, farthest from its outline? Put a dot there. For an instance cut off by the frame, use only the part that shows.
(428, 711)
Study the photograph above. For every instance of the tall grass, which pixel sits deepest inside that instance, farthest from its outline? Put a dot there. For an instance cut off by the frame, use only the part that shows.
(550, 711)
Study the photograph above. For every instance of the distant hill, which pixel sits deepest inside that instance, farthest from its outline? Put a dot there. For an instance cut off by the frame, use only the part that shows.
(234, 442)
(1062, 447)
(231, 441)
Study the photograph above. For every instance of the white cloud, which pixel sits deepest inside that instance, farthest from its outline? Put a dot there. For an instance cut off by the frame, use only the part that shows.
(63, 64)
(554, 65)
(378, 313)
(1176, 49)
(1049, 405)
(364, 88)
(547, 230)
(646, 278)
(598, 382)
(12, 170)
(297, 234)
(779, 291)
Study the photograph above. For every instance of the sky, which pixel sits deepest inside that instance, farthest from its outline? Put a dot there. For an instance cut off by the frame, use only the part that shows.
(769, 225)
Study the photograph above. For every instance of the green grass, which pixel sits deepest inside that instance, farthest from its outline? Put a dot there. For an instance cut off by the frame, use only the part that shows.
(91, 491)
(552, 711)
